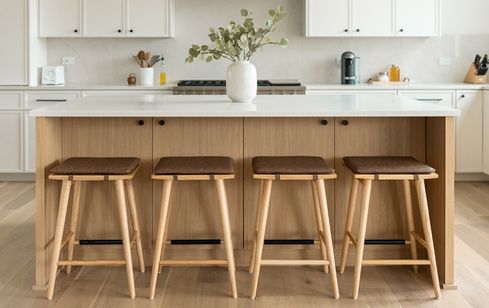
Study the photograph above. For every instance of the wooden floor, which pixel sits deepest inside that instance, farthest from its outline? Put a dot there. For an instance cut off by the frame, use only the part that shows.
(278, 287)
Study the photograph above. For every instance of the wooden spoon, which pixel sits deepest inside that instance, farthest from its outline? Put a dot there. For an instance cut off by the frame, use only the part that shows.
(141, 57)
(148, 58)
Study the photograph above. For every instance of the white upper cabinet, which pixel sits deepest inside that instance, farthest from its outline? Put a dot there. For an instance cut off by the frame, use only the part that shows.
(60, 18)
(107, 18)
(149, 18)
(327, 18)
(13, 38)
(376, 18)
(372, 18)
(103, 18)
(417, 17)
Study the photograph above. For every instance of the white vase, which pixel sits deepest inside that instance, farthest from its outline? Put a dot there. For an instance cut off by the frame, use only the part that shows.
(241, 82)
(146, 76)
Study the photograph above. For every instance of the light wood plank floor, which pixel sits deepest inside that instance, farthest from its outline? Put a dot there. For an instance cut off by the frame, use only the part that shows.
(208, 287)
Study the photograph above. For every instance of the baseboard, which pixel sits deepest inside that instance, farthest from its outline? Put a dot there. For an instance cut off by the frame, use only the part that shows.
(17, 177)
(471, 177)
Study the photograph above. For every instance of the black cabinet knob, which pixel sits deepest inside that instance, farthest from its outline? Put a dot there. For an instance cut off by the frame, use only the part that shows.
(462, 96)
(119, 30)
(346, 30)
(324, 122)
(76, 30)
(141, 122)
(345, 122)
(162, 122)
(131, 30)
(401, 30)
(358, 30)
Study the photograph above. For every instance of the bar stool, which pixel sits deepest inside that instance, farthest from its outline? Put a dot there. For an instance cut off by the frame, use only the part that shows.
(293, 168)
(405, 169)
(74, 171)
(205, 168)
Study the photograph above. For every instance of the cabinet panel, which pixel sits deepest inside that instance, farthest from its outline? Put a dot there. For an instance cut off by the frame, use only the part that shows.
(148, 18)
(291, 214)
(445, 98)
(373, 137)
(11, 141)
(13, 37)
(372, 18)
(485, 121)
(11, 100)
(468, 152)
(194, 211)
(110, 137)
(328, 18)
(417, 17)
(29, 143)
(103, 18)
(60, 18)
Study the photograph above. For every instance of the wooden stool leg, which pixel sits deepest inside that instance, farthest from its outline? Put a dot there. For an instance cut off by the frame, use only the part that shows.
(165, 237)
(165, 202)
(410, 220)
(74, 222)
(262, 225)
(126, 240)
(425, 219)
(349, 222)
(135, 223)
(226, 226)
(362, 229)
(326, 235)
(319, 224)
(255, 229)
(58, 235)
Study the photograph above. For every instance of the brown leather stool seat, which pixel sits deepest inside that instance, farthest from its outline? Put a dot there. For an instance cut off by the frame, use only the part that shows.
(290, 165)
(97, 166)
(386, 165)
(195, 165)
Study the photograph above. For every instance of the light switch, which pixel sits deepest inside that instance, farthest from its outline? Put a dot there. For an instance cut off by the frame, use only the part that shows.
(445, 61)
(68, 60)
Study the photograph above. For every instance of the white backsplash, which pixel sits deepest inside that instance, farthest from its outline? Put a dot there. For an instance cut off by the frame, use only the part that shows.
(109, 61)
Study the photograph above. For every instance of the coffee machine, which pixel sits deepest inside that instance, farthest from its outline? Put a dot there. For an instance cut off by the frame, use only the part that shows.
(349, 68)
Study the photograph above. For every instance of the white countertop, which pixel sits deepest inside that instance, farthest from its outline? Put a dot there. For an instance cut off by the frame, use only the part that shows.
(354, 105)
(91, 87)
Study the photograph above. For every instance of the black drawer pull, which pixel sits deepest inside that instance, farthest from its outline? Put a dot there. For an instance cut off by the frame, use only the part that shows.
(430, 99)
(162, 122)
(345, 122)
(51, 100)
(324, 122)
(141, 122)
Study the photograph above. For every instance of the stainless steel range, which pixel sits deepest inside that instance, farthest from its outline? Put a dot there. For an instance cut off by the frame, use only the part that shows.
(218, 87)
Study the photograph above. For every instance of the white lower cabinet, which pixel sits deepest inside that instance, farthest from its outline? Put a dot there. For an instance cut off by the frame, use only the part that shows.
(29, 143)
(485, 132)
(445, 98)
(469, 132)
(11, 141)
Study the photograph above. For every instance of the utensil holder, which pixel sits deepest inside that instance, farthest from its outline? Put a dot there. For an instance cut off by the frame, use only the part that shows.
(472, 76)
(146, 76)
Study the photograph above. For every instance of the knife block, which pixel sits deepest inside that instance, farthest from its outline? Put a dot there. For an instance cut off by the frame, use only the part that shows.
(472, 76)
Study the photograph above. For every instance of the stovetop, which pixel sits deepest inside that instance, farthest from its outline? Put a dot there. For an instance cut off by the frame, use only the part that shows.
(222, 83)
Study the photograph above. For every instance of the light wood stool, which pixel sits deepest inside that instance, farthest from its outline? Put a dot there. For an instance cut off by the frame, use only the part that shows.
(405, 169)
(74, 171)
(293, 168)
(204, 168)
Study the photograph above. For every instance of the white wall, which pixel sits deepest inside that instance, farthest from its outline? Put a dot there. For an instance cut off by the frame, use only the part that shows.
(465, 33)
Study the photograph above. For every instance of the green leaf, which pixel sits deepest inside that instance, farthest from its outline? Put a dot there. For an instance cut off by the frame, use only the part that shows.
(209, 59)
(284, 42)
(189, 59)
(271, 12)
(244, 12)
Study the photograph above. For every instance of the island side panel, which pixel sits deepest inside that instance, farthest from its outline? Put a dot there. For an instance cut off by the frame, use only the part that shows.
(194, 211)
(98, 217)
(386, 218)
(48, 155)
(440, 154)
(291, 214)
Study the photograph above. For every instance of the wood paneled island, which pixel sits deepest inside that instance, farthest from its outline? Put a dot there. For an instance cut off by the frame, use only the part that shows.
(332, 127)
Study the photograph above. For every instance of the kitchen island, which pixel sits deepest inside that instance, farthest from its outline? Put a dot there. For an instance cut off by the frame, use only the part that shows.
(330, 126)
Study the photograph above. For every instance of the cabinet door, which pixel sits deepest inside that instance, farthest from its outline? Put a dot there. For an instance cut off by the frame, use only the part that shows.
(291, 213)
(13, 38)
(11, 141)
(328, 18)
(194, 213)
(29, 143)
(103, 18)
(60, 18)
(148, 18)
(469, 132)
(485, 121)
(372, 18)
(417, 17)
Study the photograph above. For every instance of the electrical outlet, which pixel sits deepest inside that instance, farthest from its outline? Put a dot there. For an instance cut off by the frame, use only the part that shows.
(68, 60)
(445, 61)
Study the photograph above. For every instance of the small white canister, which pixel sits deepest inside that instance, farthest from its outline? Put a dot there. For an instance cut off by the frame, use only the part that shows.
(146, 76)
(383, 77)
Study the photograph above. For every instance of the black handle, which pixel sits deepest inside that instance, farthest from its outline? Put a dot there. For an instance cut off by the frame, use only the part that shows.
(119, 30)
(76, 30)
(429, 99)
(141, 122)
(131, 30)
(462, 96)
(51, 100)
(358, 30)
(345, 122)
(401, 30)
(162, 122)
(324, 122)
(346, 30)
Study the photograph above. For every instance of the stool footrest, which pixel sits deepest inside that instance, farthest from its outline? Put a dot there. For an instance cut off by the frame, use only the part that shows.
(290, 242)
(194, 262)
(293, 262)
(196, 242)
(396, 262)
(92, 262)
(385, 242)
(100, 242)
